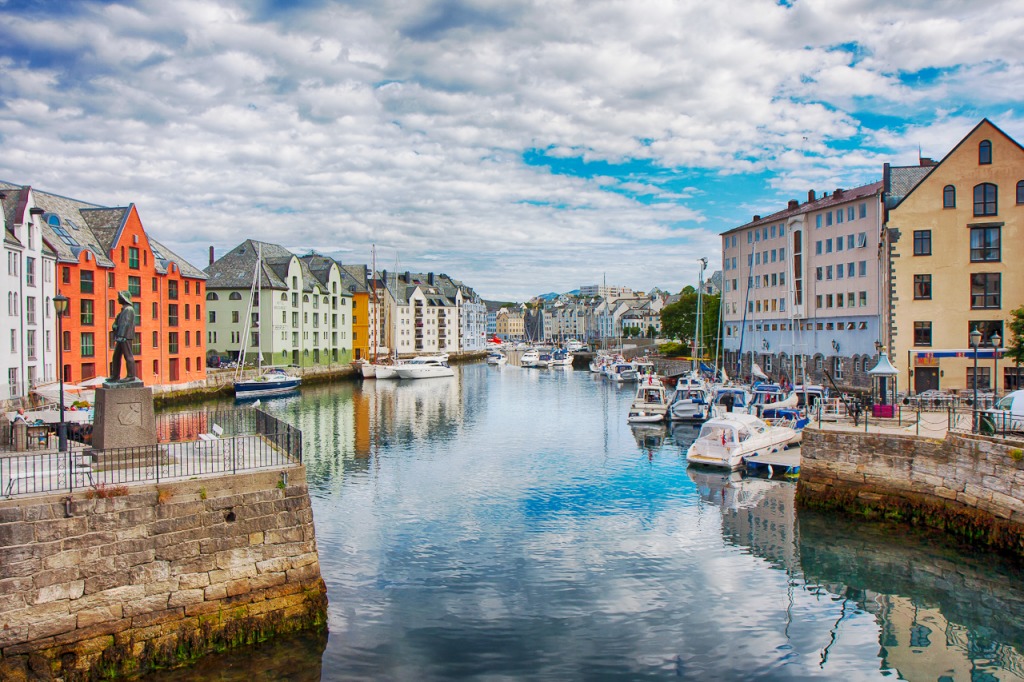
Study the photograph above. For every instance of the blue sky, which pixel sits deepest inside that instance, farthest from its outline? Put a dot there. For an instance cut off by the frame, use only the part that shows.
(522, 147)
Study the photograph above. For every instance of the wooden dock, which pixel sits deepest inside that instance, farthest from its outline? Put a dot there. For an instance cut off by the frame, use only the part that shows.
(783, 463)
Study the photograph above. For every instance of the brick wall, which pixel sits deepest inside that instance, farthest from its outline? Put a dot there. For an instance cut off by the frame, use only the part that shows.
(155, 577)
(969, 485)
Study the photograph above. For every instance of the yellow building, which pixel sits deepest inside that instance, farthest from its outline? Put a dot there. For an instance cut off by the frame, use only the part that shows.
(509, 324)
(953, 237)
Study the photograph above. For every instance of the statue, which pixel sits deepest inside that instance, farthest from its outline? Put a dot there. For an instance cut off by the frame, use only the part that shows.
(124, 336)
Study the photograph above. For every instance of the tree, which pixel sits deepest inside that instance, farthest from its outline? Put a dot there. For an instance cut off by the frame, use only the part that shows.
(1015, 344)
(679, 320)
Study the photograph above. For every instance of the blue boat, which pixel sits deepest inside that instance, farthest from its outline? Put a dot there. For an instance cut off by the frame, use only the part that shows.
(272, 382)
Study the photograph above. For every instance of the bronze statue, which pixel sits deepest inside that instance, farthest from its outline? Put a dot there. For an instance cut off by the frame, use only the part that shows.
(124, 336)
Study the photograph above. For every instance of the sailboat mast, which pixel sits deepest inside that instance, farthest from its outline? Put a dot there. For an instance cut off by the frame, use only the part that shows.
(376, 308)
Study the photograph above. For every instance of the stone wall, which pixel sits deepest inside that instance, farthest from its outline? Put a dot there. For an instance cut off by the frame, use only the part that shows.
(969, 485)
(154, 576)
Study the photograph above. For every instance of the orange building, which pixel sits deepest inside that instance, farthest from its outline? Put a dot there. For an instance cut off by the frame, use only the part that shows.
(101, 251)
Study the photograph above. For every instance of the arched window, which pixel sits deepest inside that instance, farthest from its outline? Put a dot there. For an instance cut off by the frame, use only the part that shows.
(284, 296)
(949, 196)
(986, 199)
(1020, 192)
(235, 296)
(984, 152)
(211, 296)
(305, 299)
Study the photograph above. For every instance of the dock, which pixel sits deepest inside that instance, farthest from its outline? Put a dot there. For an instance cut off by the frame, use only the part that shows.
(785, 462)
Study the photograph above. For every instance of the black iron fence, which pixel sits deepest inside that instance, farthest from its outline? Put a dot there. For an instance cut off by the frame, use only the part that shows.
(216, 449)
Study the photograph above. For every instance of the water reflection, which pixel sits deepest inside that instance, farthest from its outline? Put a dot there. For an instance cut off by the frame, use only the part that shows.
(510, 524)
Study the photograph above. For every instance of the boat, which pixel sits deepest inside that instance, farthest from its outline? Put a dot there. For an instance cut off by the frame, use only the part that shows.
(724, 441)
(544, 359)
(561, 358)
(274, 381)
(496, 358)
(530, 358)
(644, 369)
(793, 417)
(765, 395)
(425, 367)
(649, 405)
(367, 369)
(574, 346)
(620, 372)
(737, 400)
(599, 362)
(691, 400)
(387, 371)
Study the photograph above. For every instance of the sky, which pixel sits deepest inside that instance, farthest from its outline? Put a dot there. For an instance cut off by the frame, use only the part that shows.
(521, 147)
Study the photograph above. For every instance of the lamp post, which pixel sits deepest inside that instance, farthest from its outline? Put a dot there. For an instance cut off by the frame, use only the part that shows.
(60, 306)
(975, 342)
(997, 341)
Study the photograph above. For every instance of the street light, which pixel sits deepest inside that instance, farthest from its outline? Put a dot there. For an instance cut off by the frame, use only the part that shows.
(60, 306)
(975, 342)
(997, 341)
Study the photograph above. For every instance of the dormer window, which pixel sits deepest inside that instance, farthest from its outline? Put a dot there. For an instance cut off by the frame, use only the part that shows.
(984, 153)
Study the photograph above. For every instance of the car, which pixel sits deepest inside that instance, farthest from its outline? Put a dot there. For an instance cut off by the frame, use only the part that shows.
(1007, 415)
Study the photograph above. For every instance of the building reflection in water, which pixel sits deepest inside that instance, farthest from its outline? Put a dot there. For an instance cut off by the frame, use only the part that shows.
(966, 613)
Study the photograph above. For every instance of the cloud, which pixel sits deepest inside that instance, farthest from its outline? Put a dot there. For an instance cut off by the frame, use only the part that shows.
(406, 124)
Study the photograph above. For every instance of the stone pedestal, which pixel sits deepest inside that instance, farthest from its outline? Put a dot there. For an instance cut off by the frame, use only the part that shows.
(123, 418)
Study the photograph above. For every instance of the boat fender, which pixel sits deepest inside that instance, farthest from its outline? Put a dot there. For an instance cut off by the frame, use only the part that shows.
(723, 437)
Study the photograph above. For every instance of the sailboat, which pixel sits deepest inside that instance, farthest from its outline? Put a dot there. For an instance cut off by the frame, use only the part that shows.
(273, 381)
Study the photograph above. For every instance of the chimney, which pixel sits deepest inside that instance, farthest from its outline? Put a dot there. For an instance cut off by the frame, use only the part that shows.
(408, 277)
(211, 255)
(756, 218)
(384, 276)
(925, 161)
(793, 204)
(430, 278)
(838, 193)
(810, 195)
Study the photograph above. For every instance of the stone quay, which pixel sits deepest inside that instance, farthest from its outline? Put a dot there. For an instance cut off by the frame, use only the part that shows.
(113, 583)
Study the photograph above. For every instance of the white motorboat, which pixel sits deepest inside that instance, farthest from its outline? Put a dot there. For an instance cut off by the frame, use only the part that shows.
(691, 401)
(544, 359)
(387, 371)
(530, 358)
(561, 358)
(770, 396)
(496, 358)
(620, 372)
(724, 441)
(425, 367)
(731, 398)
(649, 405)
(599, 362)
(367, 369)
(574, 346)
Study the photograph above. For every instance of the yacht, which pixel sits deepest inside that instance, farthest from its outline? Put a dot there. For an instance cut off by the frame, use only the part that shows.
(724, 441)
(620, 371)
(649, 405)
(425, 367)
(561, 358)
(769, 396)
(691, 400)
(530, 358)
(496, 358)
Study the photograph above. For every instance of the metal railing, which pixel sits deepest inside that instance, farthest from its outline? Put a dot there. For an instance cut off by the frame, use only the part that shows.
(267, 442)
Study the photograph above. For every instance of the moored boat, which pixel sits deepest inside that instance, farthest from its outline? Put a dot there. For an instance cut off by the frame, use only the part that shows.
(530, 358)
(496, 358)
(425, 367)
(270, 383)
(691, 400)
(724, 441)
(649, 405)
(561, 358)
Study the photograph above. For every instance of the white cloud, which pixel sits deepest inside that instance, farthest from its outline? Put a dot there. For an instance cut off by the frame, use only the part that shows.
(406, 123)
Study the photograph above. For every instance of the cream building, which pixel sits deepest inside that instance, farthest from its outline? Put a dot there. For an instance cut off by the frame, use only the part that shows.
(953, 233)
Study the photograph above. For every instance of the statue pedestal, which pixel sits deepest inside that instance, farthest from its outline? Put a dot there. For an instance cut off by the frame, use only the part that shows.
(124, 418)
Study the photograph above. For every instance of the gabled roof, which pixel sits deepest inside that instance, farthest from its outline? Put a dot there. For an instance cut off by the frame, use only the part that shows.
(898, 199)
(235, 269)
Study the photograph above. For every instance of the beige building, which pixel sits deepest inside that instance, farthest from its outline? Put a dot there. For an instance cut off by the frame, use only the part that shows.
(954, 230)
(509, 324)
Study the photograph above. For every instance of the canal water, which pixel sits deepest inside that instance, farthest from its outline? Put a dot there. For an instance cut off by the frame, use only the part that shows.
(508, 524)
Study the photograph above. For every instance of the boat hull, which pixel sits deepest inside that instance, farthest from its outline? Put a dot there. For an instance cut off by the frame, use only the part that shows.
(425, 372)
(254, 388)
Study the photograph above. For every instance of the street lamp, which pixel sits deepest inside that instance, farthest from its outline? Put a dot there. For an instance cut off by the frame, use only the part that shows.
(60, 306)
(997, 341)
(975, 342)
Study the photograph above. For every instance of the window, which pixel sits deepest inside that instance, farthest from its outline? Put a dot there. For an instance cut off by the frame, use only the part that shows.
(818, 273)
(850, 267)
(828, 219)
(839, 244)
(862, 298)
(156, 284)
(88, 345)
(86, 312)
(828, 272)
(923, 334)
(837, 368)
(984, 378)
(1020, 192)
(172, 342)
(949, 196)
(212, 314)
(156, 339)
(234, 316)
(922, 242)
(235, 296)
(864, 209)
(817, 221)
(922, 287)
(985, 199)
(985, 290)
(985, 244)
(30, 271)
(135, 286)
(850, 213)
(984, 152)
(839, 216)
(133, 257)
(862, 240)
(828, 246)
(988, 328)
(863, 268)
(85, 281)
(172, 290)
(172, 314)
(817, 248)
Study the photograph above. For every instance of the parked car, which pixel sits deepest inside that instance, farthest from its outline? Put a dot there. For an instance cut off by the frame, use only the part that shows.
(1007, 415)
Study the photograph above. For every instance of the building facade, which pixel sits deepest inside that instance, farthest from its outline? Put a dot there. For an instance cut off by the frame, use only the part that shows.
(952, 231)
(801, 289)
